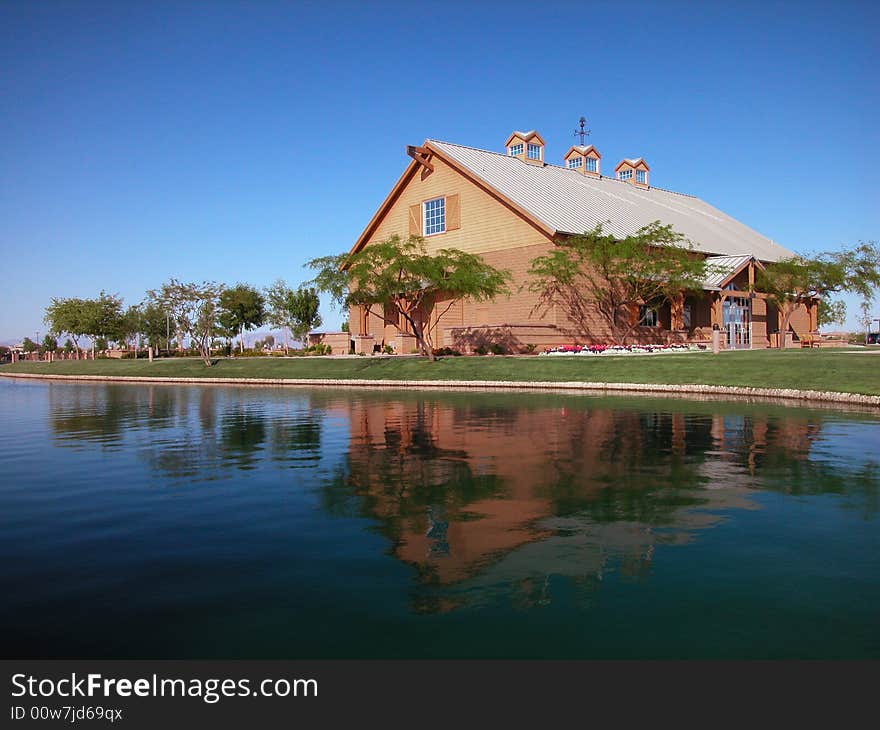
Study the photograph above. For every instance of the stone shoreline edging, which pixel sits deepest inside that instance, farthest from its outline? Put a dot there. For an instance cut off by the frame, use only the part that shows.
(648, 388)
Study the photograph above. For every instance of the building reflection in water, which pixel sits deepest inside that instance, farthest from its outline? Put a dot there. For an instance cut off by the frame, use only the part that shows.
(487, 496)
(491, 501)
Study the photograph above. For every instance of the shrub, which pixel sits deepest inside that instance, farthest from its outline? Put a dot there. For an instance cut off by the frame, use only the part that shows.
(480, 350)
(388, 350)
(497, 349)
(446, 352)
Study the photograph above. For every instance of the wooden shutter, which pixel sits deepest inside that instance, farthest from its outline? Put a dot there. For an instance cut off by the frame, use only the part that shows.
(453, 212)
(415, 220)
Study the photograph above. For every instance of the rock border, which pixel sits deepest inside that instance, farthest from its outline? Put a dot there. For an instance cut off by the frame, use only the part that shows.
(818, 396)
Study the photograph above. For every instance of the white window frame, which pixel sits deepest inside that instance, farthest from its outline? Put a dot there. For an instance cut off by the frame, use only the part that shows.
(641, 176)
(648, 316)
(625, 175)
(575, 162)
(435, 219)
(515, 149)
(592, 164)
(533, 151)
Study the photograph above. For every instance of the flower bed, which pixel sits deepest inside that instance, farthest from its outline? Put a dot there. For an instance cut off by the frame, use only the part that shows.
(621, 349)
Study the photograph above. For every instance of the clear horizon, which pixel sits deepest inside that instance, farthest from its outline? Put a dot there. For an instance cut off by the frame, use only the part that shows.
(233, 142)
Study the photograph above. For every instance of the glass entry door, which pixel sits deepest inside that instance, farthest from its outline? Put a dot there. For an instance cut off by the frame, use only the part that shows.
(737, 320)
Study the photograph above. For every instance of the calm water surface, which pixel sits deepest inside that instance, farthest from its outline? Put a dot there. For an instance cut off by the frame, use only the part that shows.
(192, 522)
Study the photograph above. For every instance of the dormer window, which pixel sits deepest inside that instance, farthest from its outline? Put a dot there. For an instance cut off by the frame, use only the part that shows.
(584, 159)
(527, 146)
(434, 216)
(635, 171)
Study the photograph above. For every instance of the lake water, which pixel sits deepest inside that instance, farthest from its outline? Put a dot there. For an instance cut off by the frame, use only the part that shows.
(162, 521)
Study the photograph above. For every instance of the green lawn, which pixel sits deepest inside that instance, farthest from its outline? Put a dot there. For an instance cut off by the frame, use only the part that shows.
(834, 370)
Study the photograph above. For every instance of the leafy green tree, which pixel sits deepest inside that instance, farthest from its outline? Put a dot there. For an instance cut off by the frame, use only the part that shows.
(344, 327)
(194, 311)
(242, 307)
(50, 344)
(865, 318)
(831, 312)
(801, 280)
(292, 310)
(102, 318)
(206, 322)
(130, 327)
(179, 301)
(398, 279)
(597, 273)
(154, 324)
(29, 346)
(68, 316)
(68, 345)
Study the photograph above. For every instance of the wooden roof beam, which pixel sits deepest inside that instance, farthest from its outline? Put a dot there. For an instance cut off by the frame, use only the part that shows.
(422, 155)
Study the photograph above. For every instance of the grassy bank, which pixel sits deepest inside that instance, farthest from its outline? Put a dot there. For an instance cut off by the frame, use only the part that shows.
(827, 370)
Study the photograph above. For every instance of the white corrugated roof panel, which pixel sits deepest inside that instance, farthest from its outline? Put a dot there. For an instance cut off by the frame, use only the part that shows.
(570, 202)
(721, 267)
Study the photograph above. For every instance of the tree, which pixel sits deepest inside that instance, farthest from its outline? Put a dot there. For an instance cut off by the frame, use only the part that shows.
(178, 300)
(68, 316)
(50, 344)
(344, 326)
(397, 279)
(154, 323)
(130, 327)
(242, 307)
(596, 273)
(194, 310)
(801, 280)
(206, 321)
(831, 313)
(102, 318)
(68, 345)
(28, 345)
(294, 311)
(865, 318)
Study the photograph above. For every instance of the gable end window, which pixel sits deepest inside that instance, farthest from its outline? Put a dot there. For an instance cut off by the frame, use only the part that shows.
(592, 164)
(434, 216)
(514, 150)
(575, 162)
(640, 176)
(534, 152)
(625, 175)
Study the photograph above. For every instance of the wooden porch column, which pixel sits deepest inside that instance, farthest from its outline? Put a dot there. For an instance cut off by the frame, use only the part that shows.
(676, 312)
(717, 310)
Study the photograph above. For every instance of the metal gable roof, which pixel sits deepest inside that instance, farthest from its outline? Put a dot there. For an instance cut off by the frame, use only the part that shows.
(570, 202)
(721, 268)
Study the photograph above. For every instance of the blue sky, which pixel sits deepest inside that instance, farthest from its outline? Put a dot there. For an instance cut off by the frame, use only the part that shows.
(234, 141)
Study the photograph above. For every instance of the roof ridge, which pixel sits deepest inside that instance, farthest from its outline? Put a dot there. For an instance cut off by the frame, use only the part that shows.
(561, 167)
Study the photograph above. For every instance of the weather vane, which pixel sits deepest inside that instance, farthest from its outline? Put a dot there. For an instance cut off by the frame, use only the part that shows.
(582, 132)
